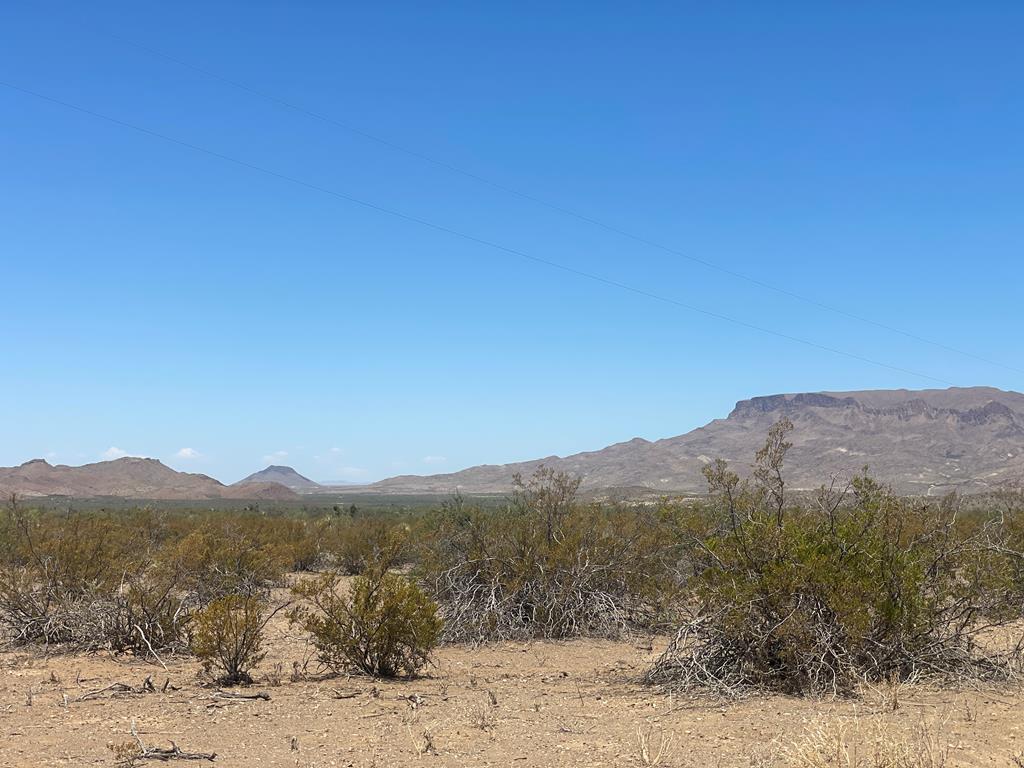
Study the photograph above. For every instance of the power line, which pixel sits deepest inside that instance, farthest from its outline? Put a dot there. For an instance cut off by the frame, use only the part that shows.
(468, 237)
(561, 209)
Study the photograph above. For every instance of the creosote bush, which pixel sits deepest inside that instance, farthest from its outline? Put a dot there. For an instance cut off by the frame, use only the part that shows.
(354, 545)
(228, 637)
(860, 585)
(548, 566)
(131, 581)
(384, 626)
(83, 580)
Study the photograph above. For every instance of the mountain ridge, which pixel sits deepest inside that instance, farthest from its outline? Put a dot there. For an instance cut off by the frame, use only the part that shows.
(924, 442)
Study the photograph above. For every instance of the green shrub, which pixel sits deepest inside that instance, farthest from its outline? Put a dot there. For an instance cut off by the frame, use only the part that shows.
(385, 626)
(64, 579)
(862, 585)
(228, 637)
(549, 567)
(357, 544)
(220, 557)
(297, 542)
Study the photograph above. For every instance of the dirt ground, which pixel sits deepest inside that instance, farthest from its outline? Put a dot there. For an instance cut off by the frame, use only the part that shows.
(537, 704)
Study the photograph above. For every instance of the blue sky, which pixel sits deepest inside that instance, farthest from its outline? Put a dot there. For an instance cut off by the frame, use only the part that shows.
(163, 302)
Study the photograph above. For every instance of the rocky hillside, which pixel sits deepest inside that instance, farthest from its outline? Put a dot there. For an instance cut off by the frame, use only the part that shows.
(921, 442)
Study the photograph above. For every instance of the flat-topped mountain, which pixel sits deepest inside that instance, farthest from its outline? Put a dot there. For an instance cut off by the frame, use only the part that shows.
(920, 442)
(128, 477)
(286, 476)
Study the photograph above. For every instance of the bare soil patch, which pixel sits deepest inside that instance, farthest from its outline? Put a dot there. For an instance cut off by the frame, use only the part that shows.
(576, 703)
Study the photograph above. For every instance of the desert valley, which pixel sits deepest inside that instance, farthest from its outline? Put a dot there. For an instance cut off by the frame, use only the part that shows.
(446, 385)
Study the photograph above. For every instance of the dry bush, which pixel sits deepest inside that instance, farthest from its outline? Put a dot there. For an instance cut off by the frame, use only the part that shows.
(863, 586)
(385, 626)
(1008, 504)
(79, 579)
(130, 581)
(548, 567)
(228, 637)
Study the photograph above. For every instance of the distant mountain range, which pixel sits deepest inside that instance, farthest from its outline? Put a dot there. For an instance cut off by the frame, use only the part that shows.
(922, 442)
(130, 478)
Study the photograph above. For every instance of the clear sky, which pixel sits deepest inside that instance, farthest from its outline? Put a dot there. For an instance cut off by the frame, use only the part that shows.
(164, 302)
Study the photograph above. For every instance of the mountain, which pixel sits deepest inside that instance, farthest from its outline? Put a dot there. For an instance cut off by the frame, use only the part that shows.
(259, 491)
(128, 477)
(286, 476)
(921, 442)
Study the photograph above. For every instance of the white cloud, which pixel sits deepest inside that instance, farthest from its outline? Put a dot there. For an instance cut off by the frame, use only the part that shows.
(188, 453)
(113, 453)
(276, 456)
(434, 459)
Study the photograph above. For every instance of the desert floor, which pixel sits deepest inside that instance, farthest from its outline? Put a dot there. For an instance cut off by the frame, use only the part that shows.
(536, 704)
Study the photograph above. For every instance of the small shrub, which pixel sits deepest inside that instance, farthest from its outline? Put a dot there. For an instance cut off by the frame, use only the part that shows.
(228, 636)
(385, 626)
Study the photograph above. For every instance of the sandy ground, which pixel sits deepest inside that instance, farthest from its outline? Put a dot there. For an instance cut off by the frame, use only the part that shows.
(538, 704)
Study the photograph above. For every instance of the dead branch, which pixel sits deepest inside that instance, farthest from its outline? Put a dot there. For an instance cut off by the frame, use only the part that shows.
(260, 695)
(164, 754)
(120, 689)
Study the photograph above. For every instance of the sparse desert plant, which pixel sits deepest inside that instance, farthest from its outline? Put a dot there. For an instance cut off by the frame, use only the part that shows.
(296, 542)
(863, 586)
(228, 637)
(856, 743)
(357, 544)
(85, 580)
(220, 558)
(548, 566)
(384, 626)
(651, 749)
(126, 753)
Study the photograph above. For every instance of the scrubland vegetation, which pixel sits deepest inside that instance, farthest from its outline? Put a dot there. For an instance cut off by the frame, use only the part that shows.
(761, 590)
(758, 590)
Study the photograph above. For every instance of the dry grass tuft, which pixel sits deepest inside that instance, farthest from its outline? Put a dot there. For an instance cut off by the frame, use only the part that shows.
(860, 743)
(653, 749)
